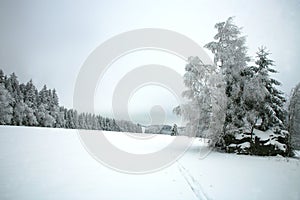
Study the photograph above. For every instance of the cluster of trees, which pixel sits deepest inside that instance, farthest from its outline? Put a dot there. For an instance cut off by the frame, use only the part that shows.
(22, 104)
(233, 94)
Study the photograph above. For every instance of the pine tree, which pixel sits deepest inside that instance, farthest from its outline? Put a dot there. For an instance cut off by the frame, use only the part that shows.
(115, 126)
(55, 101)
(81, 121)
(19, 113)
(60, 120)
(43, 115)
(2, 77)
(72, 119)
(6, 109)
(174, 130)
(230, 53)
(43, 97)
(89, 121)
(272, 112)
(54, 107)
(30, 95)
(94, 122)
(13, 86)
(30, 118)
(99, 118)
(107, 124)
(103, 123)
(44, 118)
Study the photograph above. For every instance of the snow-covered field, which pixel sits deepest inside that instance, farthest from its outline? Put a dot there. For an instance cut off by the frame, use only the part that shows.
(42, 163)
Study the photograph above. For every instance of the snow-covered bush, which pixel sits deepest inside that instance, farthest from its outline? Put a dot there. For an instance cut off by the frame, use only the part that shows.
(264, 143)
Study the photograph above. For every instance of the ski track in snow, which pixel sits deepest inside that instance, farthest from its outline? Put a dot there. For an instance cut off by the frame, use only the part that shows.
(193, 183)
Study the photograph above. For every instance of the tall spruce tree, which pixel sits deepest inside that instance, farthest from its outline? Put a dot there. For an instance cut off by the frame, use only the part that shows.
(30, 95)
(13, 86)
(272, 112)
(2, 77)
(230, 53)
(30, 99)
(6, 110)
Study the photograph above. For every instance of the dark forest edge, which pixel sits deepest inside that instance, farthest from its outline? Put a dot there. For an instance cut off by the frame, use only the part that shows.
(23, 105)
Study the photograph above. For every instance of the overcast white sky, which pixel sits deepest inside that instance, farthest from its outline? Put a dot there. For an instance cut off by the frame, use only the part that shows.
(48, 41)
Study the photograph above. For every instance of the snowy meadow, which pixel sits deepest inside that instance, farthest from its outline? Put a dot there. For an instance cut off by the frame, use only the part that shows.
(46, 163)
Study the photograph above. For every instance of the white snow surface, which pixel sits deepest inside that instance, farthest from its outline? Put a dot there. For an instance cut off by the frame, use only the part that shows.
(45, 163)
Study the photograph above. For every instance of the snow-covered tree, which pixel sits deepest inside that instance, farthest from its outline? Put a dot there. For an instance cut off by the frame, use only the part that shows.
(30, 118)
(72, 119)
(95, 125)
(100, 121)
(31, 95)
(43, 117)
(272, 112)
(6, 109)
(230, 53)
(19, 113)
(204, 108)
(114, 125)
(13, 86)
(62, 117)
(253, 96)
(197, 110)
(82, 121)
(54, 108)
(174, 130)
(2, 77)
(54, 100)
(294, 117)
(43, 97)
(107, 124)
(103, 123)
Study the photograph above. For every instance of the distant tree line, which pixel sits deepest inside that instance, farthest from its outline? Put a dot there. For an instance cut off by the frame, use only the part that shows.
(23, 105)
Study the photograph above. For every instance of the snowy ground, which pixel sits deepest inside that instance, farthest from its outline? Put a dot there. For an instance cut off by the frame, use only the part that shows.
(41, 163)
